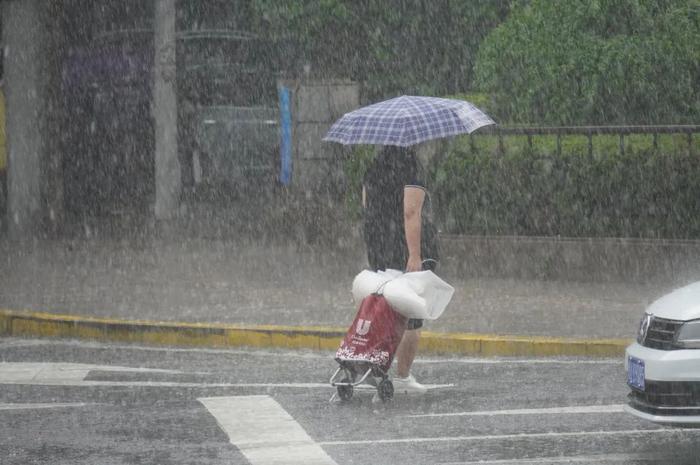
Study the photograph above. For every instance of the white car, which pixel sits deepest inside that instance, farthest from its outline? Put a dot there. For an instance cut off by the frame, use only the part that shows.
(663, 366)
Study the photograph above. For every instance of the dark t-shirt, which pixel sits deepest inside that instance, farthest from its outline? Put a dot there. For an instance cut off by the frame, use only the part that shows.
(384, 232)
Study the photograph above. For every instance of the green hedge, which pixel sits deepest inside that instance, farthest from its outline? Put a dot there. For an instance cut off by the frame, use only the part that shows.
(643, 192)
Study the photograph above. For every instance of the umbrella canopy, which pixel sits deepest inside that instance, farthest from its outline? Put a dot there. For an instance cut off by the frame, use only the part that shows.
(406, 121)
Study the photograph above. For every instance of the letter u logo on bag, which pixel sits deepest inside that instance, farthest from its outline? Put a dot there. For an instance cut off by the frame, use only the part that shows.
(363, 326)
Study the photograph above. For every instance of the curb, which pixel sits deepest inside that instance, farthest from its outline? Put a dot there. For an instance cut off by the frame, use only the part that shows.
(39, 324)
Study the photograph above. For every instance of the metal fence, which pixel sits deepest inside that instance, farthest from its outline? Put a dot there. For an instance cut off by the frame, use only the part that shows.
(589, 131)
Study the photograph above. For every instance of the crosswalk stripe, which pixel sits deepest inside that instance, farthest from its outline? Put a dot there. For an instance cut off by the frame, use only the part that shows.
(264, 431)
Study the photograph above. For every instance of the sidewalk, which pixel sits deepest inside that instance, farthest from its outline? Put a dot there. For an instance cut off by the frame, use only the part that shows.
(221, 282)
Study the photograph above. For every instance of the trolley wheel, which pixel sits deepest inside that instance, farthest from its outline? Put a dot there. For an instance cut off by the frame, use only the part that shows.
(385, 389)
(345, 392)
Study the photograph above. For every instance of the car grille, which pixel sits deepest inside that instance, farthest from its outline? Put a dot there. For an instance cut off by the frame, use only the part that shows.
(668, 397)
(661, 334)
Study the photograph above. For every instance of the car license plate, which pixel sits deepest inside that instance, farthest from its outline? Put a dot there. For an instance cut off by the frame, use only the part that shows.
(635, 373)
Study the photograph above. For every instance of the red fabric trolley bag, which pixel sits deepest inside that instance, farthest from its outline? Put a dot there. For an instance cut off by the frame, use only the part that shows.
(366, 352)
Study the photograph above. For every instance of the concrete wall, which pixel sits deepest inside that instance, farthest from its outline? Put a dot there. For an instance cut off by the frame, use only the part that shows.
(588, 260)
(316, 105)
(168, 176)
(24, 83)
(318, 183)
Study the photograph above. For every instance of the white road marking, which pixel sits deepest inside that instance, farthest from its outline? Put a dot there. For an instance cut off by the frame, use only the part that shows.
(601, 458)
(503, 437)
(90, 383)
(614, 408)
(64, 374)
(520, 361)
(73, 374)
(199, 385)
(264, 432)
(300, 353)
(368, 387)
(40, 406)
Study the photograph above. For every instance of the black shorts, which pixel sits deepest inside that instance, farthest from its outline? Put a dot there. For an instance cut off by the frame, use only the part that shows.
(413, 324)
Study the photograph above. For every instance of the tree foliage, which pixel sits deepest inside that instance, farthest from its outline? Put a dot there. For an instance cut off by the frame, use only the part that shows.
(595, 62)
(392, 47)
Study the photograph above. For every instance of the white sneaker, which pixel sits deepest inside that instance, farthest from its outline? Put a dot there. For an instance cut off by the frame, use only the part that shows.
(408, 385)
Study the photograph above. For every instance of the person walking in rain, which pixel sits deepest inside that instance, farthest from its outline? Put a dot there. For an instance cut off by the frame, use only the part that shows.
(399, 234)
(394, 195)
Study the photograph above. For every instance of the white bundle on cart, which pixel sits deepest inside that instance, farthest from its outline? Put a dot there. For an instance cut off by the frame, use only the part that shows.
(418, 294)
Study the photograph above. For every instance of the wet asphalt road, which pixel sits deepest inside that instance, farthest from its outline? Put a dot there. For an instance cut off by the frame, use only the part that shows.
(67, 402)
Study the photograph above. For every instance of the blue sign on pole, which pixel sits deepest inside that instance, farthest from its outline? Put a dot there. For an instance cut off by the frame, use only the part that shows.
(285, 137)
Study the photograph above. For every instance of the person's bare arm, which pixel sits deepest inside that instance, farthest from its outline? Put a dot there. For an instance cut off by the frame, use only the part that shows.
(413, 198)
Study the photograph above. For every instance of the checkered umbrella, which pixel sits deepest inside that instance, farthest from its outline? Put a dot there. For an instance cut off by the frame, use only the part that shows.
(406, 121)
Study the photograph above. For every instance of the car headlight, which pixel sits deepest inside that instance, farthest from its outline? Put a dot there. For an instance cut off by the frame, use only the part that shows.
(643, 327)
(689, 335)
